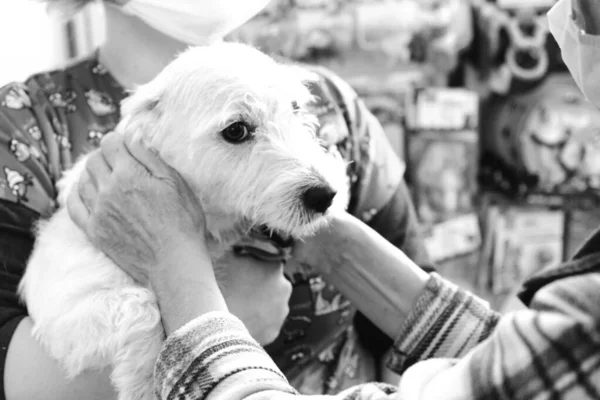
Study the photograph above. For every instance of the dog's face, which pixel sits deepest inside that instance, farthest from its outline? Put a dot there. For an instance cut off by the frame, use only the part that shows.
(232, 121)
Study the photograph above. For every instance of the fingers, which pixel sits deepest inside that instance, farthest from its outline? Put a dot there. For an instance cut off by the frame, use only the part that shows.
(98, 169)
(87, 190)
(78, 211)
(96, 174)
(117, 148)
(113, 149)
(149, 158)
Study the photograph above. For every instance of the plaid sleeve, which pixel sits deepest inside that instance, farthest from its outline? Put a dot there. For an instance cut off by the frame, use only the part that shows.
(550, 351)
(446, 322)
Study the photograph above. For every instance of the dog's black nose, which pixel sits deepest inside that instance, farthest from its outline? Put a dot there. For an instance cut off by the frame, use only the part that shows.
(318, 199)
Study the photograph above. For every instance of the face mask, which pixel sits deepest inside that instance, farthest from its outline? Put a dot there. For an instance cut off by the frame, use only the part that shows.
(580, 52)
(195, 22)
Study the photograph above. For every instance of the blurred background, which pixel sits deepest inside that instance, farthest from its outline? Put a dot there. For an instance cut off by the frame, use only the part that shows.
(502, 149)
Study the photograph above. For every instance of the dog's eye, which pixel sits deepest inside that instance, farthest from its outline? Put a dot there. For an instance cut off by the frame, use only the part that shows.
(295, 106)
(236, 133)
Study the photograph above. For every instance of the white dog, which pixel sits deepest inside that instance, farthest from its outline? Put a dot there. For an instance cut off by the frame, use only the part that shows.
(229, 119)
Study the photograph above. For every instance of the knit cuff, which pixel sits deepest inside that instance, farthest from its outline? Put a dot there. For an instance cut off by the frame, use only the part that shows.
(446, 322)
(207, 351)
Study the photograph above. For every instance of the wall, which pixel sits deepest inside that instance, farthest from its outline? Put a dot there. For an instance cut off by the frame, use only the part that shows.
(29, 40)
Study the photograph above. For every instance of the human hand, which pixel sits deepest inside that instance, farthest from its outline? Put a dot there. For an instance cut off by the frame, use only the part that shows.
(371, 272)
(135, 208)
(256, 291)
(316, 252)
(146, 219)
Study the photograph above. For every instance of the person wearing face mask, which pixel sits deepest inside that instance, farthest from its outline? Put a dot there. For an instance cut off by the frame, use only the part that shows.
(50, 119)
(575, 24)
(549, 351)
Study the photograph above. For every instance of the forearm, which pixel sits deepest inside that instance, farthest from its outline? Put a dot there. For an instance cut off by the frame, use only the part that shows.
(445, 322)
(399, 224)
(426, 315)
(31, 374)
(190, 292)
(548, 351)
(375, 275)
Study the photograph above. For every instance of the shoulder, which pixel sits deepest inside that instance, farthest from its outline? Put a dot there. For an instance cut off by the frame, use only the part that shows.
(83, 87)
(78, 68)
(46, 122)
(335, 105)
(332, 92)
(347, 125)
(338, 89)
(29, 137)
(83, 90)
(25, 177)
(44, 93)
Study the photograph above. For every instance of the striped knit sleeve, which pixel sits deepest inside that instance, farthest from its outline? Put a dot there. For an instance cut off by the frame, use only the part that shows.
(446, 322)
(215, 355)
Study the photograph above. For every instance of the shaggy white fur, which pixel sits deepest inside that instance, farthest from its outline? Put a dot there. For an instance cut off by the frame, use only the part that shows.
(87, 312)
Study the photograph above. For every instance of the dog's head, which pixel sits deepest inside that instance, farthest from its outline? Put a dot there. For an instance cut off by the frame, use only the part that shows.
(232, 121)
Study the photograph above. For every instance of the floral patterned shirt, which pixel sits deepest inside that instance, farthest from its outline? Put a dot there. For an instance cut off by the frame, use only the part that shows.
(54, 117)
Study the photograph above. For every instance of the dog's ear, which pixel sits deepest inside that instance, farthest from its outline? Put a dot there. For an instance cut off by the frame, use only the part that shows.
(296, 74)
(141, 113)
(301, 74)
